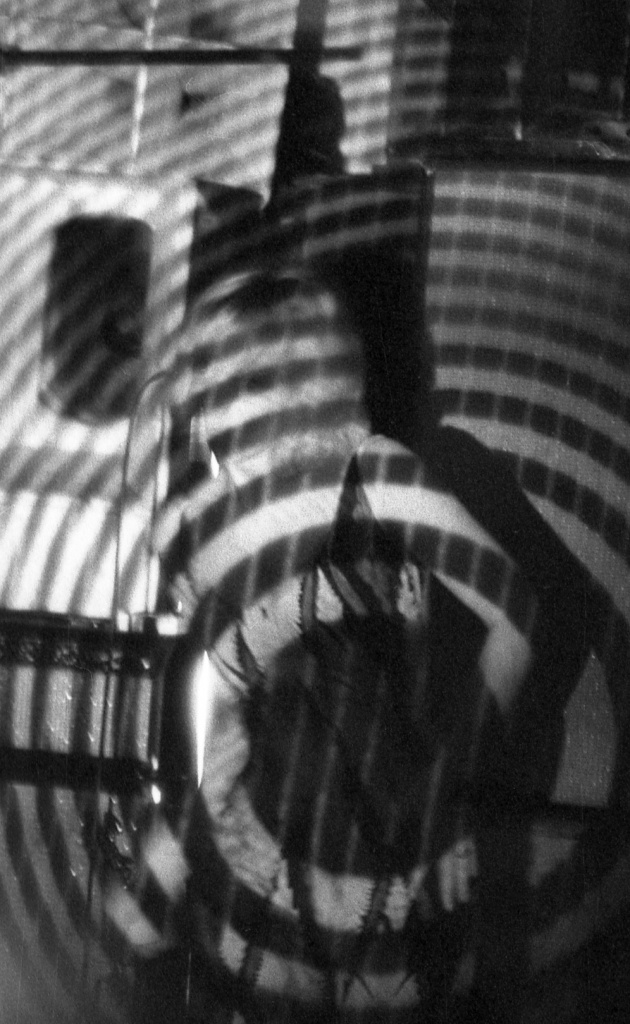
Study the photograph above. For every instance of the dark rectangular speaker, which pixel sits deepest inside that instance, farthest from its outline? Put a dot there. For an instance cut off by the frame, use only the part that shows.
(94, 316)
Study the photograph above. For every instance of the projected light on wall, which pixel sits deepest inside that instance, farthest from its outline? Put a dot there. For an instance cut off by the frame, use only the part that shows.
(527, 305)
(94, 277)
(94, 273)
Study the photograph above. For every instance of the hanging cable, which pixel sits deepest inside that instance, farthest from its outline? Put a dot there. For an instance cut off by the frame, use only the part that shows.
(110, 672)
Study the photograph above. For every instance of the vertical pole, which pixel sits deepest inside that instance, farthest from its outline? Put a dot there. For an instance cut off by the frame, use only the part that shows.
(310, 24)
(625, 97)
(310, 27)
(142, 78)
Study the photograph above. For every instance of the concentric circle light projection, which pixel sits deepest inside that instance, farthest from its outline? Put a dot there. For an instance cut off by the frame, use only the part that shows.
(527, 306)
(527, 333)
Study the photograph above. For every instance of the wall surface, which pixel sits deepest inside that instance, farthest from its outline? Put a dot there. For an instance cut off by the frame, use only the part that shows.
(526, 303)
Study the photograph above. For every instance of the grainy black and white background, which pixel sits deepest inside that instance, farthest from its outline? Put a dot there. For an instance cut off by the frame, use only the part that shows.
(526, 300)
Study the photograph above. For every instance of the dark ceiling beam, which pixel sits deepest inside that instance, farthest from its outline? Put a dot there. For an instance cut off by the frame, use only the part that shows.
(14, 56)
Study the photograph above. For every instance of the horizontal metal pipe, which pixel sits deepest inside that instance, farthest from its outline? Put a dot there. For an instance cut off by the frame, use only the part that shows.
(46, 768)
(13, 55)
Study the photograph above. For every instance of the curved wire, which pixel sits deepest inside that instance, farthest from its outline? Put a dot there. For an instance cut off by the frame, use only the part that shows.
(109, 674)
(133, 418)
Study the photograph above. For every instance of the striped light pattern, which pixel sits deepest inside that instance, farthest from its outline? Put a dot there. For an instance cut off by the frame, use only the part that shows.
(74, 541)
(527, 302)
(282, 410)
(62, 485)
(419, 74)
(527, 306)
(62, 474)
(463, 321)
(219, 123)
(67, 696)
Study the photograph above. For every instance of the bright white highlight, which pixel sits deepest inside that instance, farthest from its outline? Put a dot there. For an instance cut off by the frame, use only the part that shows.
(202, 699)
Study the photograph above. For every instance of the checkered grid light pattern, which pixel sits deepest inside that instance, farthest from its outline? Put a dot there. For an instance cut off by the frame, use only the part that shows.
(528, 306)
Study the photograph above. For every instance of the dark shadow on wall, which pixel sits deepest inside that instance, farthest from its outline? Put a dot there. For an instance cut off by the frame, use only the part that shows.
(382, 287)
(311, 130)
(517, 69)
